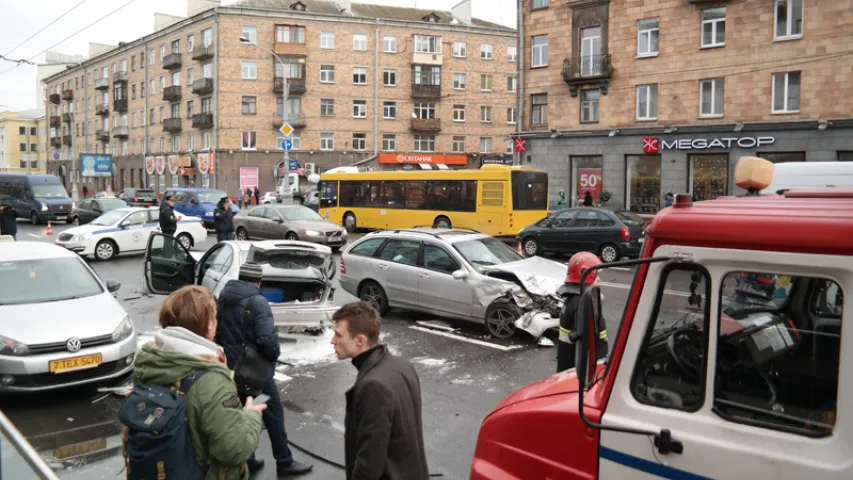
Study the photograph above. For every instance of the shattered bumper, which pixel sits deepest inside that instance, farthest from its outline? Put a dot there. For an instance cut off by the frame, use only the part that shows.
(537, 322)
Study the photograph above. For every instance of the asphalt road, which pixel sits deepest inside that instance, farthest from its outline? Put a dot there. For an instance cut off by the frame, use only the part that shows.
(461, 382)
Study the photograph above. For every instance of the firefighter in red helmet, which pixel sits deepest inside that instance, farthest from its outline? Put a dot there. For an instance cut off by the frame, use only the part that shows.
(570, 291)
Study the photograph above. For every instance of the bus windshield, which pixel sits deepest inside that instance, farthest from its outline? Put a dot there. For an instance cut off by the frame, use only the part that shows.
(529, 191)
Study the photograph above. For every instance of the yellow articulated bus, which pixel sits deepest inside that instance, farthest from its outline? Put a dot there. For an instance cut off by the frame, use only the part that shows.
(496, 200)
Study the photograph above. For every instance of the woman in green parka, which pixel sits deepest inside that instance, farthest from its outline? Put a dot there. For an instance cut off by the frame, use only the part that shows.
(224, 432)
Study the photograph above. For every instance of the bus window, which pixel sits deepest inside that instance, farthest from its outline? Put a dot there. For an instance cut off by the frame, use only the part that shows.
(354, 194)
(328, 194)
(529, 191)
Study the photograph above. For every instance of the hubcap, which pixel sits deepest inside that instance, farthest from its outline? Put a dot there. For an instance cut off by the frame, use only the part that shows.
(76, 222)
(502, 323)
(241, 235)
(350, 220)
(105, 251)
(608, 254)
(185, 242)
(530, 247)
(371, 294)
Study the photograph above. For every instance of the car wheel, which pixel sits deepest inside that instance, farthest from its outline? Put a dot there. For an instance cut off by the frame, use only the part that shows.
(105, 250)
(298, 201)
(292, 236)
(75, 221)
(349, 222)
(500, 318)
(608, 253)
(34, 218)
(242, 234)
(530, 246)
(185, 240)
(442, 222)
(372, 293)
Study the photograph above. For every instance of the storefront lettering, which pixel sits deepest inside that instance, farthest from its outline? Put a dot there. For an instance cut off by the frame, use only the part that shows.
(654, 145)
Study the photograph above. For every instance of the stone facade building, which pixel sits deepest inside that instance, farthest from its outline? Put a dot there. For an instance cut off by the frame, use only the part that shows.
(202, 99)
(641, 98)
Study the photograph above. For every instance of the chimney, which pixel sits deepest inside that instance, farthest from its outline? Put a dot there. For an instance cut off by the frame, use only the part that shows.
(197, 6)
(462, 12)
(345, 6)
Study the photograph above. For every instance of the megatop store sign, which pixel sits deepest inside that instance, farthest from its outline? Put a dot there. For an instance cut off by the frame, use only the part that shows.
(654, 145)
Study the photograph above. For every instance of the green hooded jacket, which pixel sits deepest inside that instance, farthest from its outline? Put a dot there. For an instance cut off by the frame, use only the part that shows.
(224, 435)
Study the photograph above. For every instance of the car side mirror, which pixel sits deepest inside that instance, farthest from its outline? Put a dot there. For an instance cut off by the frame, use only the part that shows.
(460, 274)
(113, 286)
(587, 320)
(278, 220)
(192, 200)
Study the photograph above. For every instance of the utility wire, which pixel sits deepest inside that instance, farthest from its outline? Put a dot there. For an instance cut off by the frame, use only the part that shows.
(19, 61)
(46, 26)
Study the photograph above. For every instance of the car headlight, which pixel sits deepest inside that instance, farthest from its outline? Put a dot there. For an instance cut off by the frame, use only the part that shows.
(344, 232)
(125, 328)
(43, 207)
(313, 233)
(81, 237)
(12, 347)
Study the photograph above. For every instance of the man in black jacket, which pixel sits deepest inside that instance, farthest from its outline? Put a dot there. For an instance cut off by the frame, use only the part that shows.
(223, 220)
(261, 333)
(384, 436)
(8, 220)
(168, 221)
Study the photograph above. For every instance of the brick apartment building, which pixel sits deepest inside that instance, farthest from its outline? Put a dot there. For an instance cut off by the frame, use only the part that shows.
(641, 98)
(384, 87)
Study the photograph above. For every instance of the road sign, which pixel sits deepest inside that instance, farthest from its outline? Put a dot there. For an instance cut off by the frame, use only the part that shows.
(520, 145)
(286, 130)
(287, 144)
(293, 165)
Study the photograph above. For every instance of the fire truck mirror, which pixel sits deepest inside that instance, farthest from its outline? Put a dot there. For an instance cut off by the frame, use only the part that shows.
(587, 325)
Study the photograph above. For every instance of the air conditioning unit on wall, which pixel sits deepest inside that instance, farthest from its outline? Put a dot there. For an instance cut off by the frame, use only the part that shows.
(310, 169)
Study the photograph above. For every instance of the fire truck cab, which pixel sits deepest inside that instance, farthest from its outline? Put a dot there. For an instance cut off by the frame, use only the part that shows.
(727, 362)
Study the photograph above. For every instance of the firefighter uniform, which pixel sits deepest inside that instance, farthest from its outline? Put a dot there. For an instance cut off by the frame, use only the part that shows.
(568, 315)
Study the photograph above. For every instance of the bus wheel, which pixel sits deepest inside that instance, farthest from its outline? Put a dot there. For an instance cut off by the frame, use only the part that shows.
(349, 222)
(441, 222)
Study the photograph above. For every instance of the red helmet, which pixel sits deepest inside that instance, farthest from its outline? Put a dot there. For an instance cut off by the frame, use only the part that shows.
(578, 263)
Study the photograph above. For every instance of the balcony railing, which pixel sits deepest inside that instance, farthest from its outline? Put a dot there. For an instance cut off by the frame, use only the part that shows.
(203, 120)
(54, 98)
(102, 110)
(172, 125)
(102, 135)
(55, 142)
(102, 83)
(172, 94)
(121, 132)
(582, 69)
(203, 53)
(120, 106)
(55, 121)
(426, 124)
(426, 92)
(68, 94)
(120, 77)
(172, 61)
(203, 86)
(66, 140)
(67, 117)
(296, 121)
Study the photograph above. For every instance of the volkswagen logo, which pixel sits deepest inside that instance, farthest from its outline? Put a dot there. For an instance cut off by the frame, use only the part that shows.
(73, 344)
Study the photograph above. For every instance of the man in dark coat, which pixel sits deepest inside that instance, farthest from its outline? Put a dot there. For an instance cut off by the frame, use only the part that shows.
(8, 220)
(384, 436)
(223, 220)
(168, 220)
(261, 333)
(257, 196)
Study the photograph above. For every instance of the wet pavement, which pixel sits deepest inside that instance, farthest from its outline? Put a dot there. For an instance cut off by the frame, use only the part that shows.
(76, 431)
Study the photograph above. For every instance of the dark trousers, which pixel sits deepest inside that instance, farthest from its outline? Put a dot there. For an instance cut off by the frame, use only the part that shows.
(273, 418)
(224, 236)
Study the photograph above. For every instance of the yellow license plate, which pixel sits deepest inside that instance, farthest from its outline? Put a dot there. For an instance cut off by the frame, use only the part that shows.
(81, 448)
(76, 363)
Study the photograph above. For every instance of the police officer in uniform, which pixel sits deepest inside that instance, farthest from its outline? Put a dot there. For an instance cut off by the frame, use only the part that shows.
(168, 223)
(570, 291)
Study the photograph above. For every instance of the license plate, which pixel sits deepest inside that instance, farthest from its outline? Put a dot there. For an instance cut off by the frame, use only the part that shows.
(61, 217)
(81, 448)
(76, 363)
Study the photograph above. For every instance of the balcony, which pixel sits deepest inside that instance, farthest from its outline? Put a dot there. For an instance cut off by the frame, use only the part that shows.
(102, 84)
(589, 69)
(120, 77)
(55, 142)
(172, 94)
(203, 53)
(102, 135)
(203, 120)
(426, 124)
(121, 132)
(426, 92)
(66, 140)
(55, 121)
(427, 58)
(54, 98)
(203, 86)
(120, 106)
(172, 61)
(68, 95)
(102, 110)
(67, 117)
(296, 85)
(290, 48)
(172, 125)
(295, 121)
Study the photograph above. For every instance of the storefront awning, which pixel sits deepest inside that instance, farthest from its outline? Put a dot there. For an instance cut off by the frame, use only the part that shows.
(425, 166)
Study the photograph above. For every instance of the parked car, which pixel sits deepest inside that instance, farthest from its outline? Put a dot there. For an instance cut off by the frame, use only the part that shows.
(82, 334)
(92, 208)
(311, 200)
(611, 234)
(269, 198)
(139, 197)
(298, 277)
(126, 230)
(198, 202)
(290, 222)
(453, 273)
(39, 197)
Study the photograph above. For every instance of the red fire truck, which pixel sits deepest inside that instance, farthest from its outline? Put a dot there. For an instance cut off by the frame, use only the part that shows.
(726, 363)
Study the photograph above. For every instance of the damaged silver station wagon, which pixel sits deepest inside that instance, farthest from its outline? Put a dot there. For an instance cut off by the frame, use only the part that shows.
(455, 273)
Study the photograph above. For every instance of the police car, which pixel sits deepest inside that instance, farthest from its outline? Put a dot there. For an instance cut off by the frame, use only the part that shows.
(126, 230)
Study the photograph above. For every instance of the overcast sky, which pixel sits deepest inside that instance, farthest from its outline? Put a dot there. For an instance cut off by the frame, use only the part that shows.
(20, 19)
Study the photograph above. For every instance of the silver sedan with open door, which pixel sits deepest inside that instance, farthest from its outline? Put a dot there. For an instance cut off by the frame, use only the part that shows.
(298, 277)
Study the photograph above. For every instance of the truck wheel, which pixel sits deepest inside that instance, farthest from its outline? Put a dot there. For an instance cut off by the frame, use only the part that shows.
(442, 222)
(500, 318)
(374, 294)
(349, 222)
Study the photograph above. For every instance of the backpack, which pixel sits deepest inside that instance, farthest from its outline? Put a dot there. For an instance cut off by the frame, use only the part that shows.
(157, 440)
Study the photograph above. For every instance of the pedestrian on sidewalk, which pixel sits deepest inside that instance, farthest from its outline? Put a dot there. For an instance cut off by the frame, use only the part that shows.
(240, 197)
(257, 196)
(384, 431)
(8, 220)
(223, 220)
(85, 191)
(239, 298)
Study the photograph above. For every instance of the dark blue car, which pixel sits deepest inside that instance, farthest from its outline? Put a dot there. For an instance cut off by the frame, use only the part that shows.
(198, 202)
(39, 197)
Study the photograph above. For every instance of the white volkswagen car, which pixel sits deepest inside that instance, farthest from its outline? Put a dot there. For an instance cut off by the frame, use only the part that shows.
(61, 325)
(126, 230)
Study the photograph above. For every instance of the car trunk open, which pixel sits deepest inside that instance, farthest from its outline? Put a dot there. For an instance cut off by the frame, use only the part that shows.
(294, 274)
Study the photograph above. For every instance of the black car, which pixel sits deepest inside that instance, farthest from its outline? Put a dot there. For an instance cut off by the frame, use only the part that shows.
(609, 233)
(92, 208)
(139, 197)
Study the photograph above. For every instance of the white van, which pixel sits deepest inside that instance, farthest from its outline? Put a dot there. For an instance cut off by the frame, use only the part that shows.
(810, 175)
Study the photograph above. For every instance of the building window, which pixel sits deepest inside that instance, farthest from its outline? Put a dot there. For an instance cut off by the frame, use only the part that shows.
(786, 92)
(424, 143)
(459, 113)
(289, 34)
(250, 33)
(589, 106)
(250, 70)
(389, 77)
(426, 75)
(783, 157)
(539, 51)
(205, 141)
(327, 107)
(539, 110)
(647, 102)
(152, 117)
(485, 144)
(207, 70)
(643, 193)
(141, 91)
(459, 81)
(458, 145)
(485, 114)
(190, 43)
(591, 51)
(709, 176)
(249, 141)
(425, 44)
(389, 110)
(486, 52)
(133, 63)
(153, 87)
(190, 109)
(359, 142)
(714, 27)
(647, 37)
(327, 74)
(359, 76)
(123, 68)
(190, 76)
(207, 37)
(327, 141)
(296, 138)
(510, 115)
(359, 108)
(460, 49)
(540, 4)
(711, 93)
(205, 105)
(250, 105)
(293, 107)
(789, 19)
(485, 83)
(389, 44)
(176, 48)
(359, 42)
(327, 40)
(162, 56)
(425, 110)
(389, 142)
(176, 78)
(511, 84)
(151, 60)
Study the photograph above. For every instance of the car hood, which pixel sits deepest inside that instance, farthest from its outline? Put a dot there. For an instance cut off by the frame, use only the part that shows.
(58, 321)
(538, 275)
(320, 225)
(55, 201)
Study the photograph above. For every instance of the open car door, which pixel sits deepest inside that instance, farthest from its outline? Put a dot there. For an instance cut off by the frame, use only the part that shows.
(168, 265)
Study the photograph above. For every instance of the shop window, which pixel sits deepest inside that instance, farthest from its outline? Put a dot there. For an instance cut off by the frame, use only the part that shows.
(586, 177)
(845, 156)
(709, 176)
(783, 157)
(643, 194)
